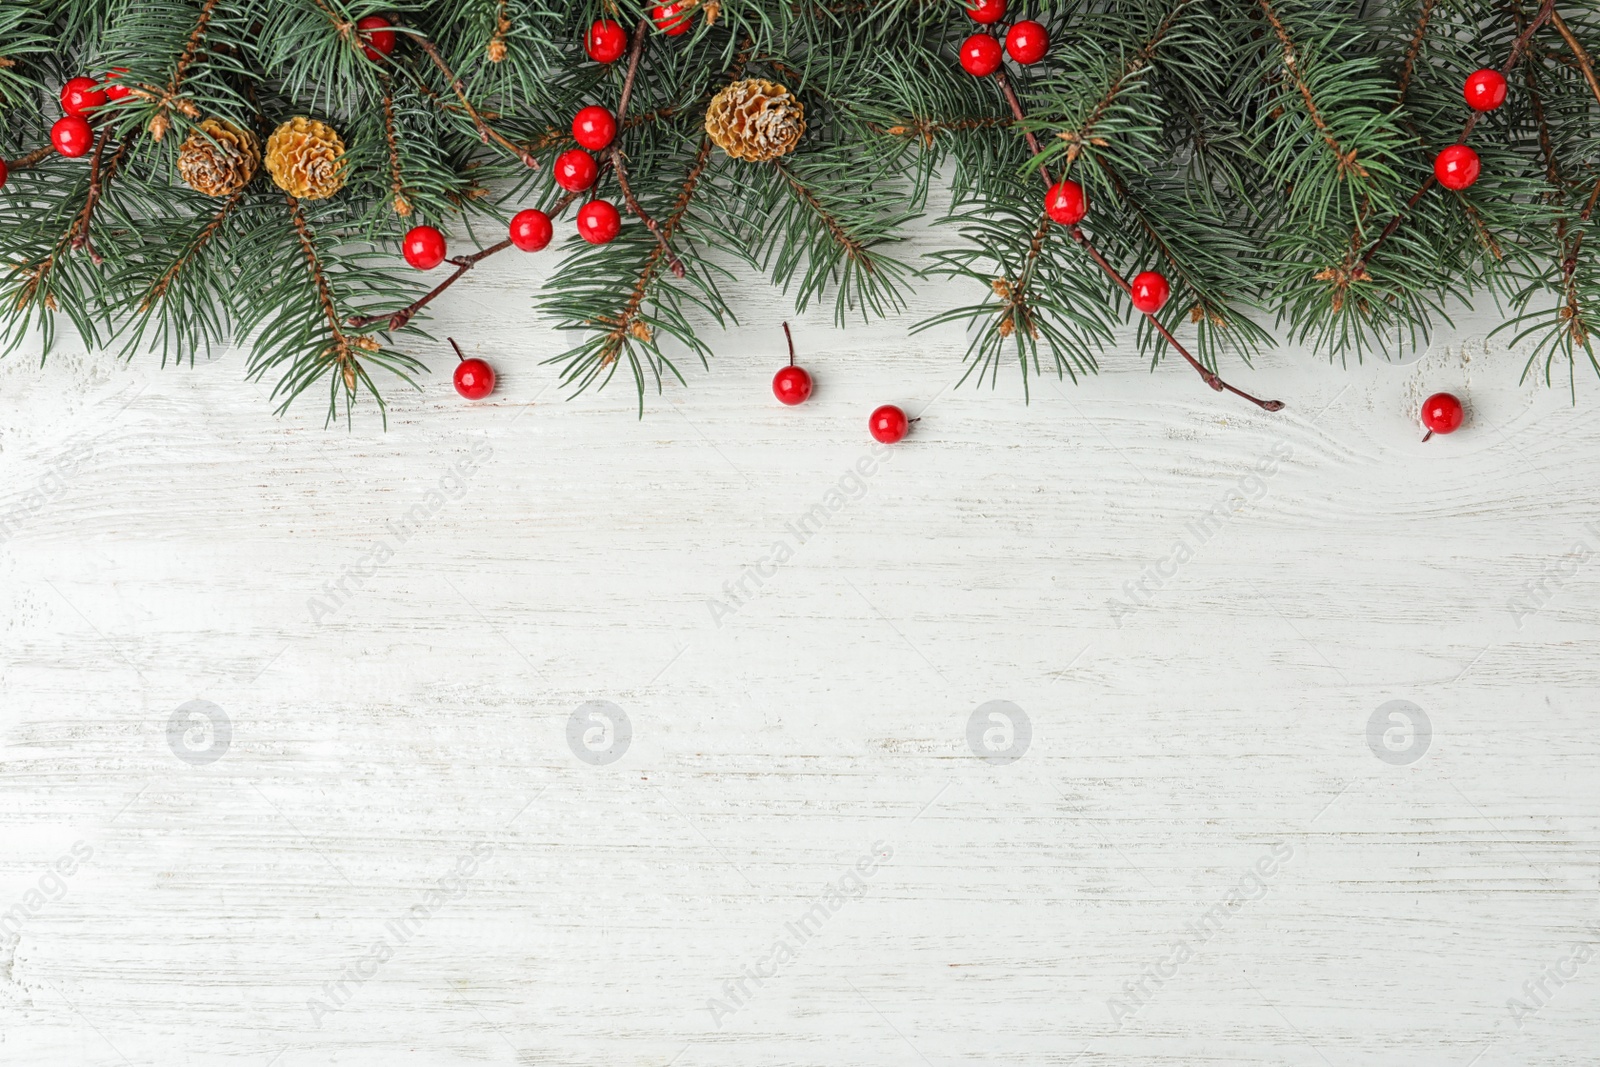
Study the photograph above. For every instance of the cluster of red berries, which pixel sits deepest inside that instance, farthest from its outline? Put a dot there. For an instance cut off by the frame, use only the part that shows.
(599, 222)
(607, 41)
(1457, 166)
(1026, 41)
(792, 385)
(80, 97)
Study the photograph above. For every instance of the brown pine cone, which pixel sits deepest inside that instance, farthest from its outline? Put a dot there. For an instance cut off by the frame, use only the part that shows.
(218, 159)
(755, 120)
(306, 159)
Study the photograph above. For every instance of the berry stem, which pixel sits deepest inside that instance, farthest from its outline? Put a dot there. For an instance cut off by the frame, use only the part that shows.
(790, 337)
(636, 52)
(1427, 436)
(460, 356)
(398, 319)
(1016, 109)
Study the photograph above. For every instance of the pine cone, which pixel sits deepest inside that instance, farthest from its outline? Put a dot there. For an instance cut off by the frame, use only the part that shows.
(218, 159)
(755, 120)
(306, 159)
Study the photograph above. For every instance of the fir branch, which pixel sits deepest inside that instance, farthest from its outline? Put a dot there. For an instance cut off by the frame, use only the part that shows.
(1412, 50)
(1085, 134)
(158, 289)
(401, 204)
(159, 123)
(342, 348)
(486, 133)
(853, 248)
(641, 33)
(1291, 60)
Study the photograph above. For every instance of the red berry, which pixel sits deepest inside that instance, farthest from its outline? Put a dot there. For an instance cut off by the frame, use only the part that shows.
(986, 11)
(1442, 413)
(669, 18)
(1485, 90)
(598, 222)
(376, 36)
(888, 424)
(71, 136)
(792, 385)
(1456, 167)
(424, 247)
(474, 379)
(115, 90)
(1066, 202)
(594, 128)
(5, 172)
(1150, 292)
(606, 41)
(981, 55)
(531, 230)
(81, 95)
(1027, 42)
(576, 170)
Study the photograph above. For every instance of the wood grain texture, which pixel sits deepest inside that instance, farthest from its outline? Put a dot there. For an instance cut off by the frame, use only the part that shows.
(177, 532)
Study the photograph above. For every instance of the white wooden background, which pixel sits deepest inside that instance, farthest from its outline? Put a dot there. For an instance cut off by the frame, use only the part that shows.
(167, 533)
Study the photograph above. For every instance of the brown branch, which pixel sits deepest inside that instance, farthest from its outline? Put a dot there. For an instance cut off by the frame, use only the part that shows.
(191, 50)
(398, 319)
(32, 159)
(1085, 134)
(99, 177)
(486, 133)
(402, 206)
(1016, 109)
(1578, 52)
(853, 248)
(628, 322)
(1208, 376)
(641, 33)
(1347, 160)
(1413, 50)
(342, 345)
(158, 289)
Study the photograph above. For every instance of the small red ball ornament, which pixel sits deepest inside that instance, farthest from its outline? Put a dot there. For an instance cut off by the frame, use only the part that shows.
(791, 384)
(981, 55)
(1442, 413)
(598, 222)
(1456, 167)
(1485, 90)
(576, 170)
(606, 41)
(81, 96)
(5, 172)
(1150, 292)
(888, 424)
(423, 247)
(474, 377)
(376, 36)
(115, 90)
(670, 19)
(531, 230)
(1066, 202)
(71, 136)
(1027, 42)
(986, 11)
(594, 128)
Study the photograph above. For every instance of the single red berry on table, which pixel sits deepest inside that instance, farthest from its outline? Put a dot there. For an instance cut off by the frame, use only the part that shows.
(474, 379)
(888, 424)
(1027, 42)
(1456, 167)
(1150, 292)
(71, 136)
(594, 128)
(531, 230)
(670, 18)
(981, 55)
(606, 41)
(1066, 202)
(598, 222)
(376, 36)
(5, 172)
(792, 385)
(1485, 89)
(115, 90)
(1442, 413)
(81, 95)
(986, 11)
(576, 170)
(423, 247)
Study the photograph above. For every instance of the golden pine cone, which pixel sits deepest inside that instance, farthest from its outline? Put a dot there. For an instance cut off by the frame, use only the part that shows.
(306, 159)
(219, 158)
(755, 120)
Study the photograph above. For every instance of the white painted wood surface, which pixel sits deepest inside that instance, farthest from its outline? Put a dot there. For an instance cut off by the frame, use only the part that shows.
(229, 912)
